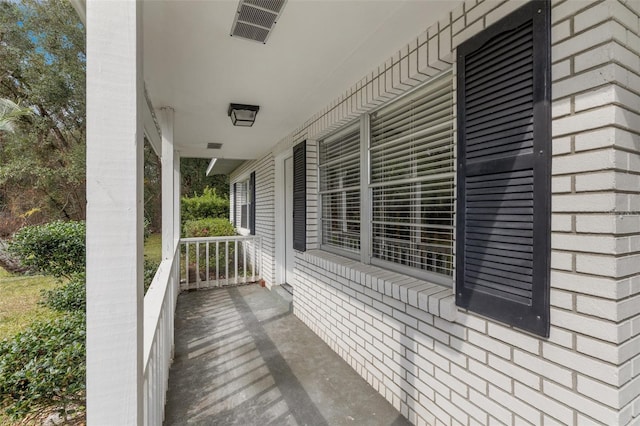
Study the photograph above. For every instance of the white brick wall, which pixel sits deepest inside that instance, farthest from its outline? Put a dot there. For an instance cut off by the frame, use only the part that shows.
(438, 365)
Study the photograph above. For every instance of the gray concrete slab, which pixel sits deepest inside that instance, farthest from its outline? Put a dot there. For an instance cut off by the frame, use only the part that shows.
(242, 358)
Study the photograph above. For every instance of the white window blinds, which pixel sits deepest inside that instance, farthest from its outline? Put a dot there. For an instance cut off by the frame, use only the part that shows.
(411, 187)
(339, 164)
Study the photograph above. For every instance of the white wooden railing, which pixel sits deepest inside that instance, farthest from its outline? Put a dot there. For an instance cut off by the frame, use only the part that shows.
(220, 261)
(196, 263)
(159, 310)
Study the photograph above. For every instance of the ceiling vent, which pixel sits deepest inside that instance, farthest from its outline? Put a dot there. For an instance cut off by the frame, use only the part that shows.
(213, 145)
(255, 19)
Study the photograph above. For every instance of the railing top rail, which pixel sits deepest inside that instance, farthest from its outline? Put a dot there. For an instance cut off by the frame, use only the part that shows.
(228, 238)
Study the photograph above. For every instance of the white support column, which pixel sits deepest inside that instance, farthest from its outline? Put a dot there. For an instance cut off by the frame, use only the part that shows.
(114, 213)
(177, 194)
(168, 181)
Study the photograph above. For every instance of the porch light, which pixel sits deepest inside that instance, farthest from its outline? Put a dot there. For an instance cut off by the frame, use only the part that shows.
(243, 115)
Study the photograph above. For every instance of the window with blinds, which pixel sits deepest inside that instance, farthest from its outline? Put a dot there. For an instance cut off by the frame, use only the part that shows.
(412, 179)
(243, 203)
(339, 163)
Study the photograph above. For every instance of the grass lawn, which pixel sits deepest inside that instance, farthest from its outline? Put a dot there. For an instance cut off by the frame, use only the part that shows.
(19, 301)
(153, 248)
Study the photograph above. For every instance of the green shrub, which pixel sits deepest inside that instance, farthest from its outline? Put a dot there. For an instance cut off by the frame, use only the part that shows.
(150, 268)
(43, 368)
(210, 227)
(207, 205)
(217, 227)
(56, 248)
(70, 297)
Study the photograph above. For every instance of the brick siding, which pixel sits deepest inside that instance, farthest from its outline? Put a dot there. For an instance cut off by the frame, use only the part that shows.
(442, 366)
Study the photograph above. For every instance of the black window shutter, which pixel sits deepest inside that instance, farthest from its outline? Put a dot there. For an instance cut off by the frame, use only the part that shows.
(504, 158)
(300, 196)
(252, 206)
(235, 203)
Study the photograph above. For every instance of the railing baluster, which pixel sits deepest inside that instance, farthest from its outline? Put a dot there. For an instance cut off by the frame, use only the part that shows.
(186, 267)
(244, 260)
(217, 263)
(197, 266)
(226, 262)
(208, 276)
(235, 261)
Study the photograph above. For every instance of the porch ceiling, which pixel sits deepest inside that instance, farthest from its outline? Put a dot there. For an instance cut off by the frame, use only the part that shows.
(317, 50)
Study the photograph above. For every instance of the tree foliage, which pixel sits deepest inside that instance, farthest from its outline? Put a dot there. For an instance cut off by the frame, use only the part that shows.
(42, 68)
(195, 179)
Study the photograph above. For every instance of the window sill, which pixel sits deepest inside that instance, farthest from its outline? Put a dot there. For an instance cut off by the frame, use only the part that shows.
(432, 298)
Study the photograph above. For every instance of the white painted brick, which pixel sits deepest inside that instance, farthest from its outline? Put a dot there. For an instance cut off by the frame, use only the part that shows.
(551, 407)
(596, 223)
(584, 121)
(472, 322)
(585, 40)
(586, 284)
(514, 338)
(602, 329)
(594, 389)
(561, 146)
(599, 349)
(489, 344)
(490, 375)
(560, 107)
(468, 32)
(590, 202)
(561, 222)
(606, 137)
(584, 162)
(600, 181)
(477, 12)
(596, 265)
(605, 95)
(604, 244)
(470, 379)
(560, 31)
(596, 410)
(560, 70)
(522, 375)
(564, 10)
(602, 12)
(612, 51)
(543, 367)
(503, 10)
(561, 184)
(517, 406)
(591, 367)
(561, 337)
(561, 299)
(496, 410)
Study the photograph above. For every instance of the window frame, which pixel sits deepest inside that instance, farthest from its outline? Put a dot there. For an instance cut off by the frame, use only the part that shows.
(365, 255)
(247, 208)
(343, 130)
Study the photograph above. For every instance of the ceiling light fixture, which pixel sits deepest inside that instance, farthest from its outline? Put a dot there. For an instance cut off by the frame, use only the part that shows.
(243, 115)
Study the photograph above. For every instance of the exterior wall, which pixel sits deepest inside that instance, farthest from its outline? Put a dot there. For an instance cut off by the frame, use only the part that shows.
(265, 209)
(441, 365)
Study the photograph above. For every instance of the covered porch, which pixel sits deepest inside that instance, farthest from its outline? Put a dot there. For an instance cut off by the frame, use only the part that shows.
(242, 357)
(167, 72)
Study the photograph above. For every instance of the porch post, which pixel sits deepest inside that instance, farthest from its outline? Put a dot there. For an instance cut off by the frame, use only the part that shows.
(114, 213)
(168, 182)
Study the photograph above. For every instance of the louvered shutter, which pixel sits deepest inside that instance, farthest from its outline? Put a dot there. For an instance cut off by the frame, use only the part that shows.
(300, 196)
(252, 206)
(504, 144)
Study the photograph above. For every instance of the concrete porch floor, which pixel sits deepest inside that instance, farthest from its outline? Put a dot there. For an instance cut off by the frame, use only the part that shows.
(242, 358)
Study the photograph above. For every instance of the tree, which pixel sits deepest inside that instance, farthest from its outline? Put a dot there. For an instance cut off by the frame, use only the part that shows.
(195, 179)
(10, 113)
(42, 68)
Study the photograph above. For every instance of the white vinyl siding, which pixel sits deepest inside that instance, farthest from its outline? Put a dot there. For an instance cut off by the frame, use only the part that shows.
(339, 163)
(411, 170)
